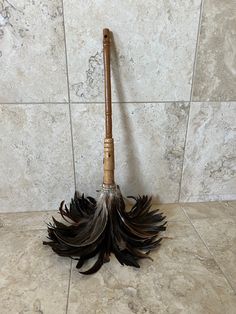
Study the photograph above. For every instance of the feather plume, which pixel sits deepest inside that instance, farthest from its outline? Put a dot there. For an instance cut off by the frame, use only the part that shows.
(105, 226)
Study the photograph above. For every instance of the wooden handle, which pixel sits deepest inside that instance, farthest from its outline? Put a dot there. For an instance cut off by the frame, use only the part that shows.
(107, 77)
(108, 161)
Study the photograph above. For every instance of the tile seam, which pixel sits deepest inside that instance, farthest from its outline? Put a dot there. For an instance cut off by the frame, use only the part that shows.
(185, 142)
(118, 102)
(68, 289)
(190, 96)
(68, 90)
(196, 48)
(33, 103)
(208, 249)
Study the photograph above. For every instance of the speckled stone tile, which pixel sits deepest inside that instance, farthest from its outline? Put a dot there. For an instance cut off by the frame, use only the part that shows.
(215, 76)
(26, 220)
(146, 136)
(209, 210)
(183, 278)
(33, 279)
(154, 48)
(220, 236)
(35, 145)
(210, 154)
(232, 204)
(216, 224)
(173, 212)
(32, 53)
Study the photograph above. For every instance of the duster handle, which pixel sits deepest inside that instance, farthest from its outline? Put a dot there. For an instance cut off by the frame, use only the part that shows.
(108, 161)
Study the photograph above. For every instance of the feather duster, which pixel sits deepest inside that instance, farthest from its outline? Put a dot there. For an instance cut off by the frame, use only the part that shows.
(105, 226)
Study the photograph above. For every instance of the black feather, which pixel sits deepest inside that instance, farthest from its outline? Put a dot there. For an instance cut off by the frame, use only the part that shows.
(105, 226)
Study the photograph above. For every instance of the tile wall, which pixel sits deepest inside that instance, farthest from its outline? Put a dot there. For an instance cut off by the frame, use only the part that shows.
(174, 93)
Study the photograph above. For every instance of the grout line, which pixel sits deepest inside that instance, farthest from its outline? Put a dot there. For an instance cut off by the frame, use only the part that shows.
(118, 102)
(155, 102)
(35, 103)
(68, 90)
(134, 102)
(66, 57)
(230, 203)
(184, 148)
(212, 255)
(68, 290)
(196, 48)
(72, 146)
(191, 94)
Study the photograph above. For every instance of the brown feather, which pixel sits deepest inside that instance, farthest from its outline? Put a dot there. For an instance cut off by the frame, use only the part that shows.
(106, 227)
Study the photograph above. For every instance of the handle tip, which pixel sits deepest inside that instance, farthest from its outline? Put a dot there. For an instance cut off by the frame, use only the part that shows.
(106, 35)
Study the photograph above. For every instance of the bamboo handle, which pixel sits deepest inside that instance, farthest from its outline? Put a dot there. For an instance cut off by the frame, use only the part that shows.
(108, 161)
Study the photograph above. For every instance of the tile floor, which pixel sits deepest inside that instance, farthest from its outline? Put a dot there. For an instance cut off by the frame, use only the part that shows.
(194, 271)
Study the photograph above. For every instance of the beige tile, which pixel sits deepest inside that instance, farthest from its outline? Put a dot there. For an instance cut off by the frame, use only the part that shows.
(146, 136)
(232, 204)
(220, 236)
(209, 171)
(183, 278)
(215, 76)
(209, 210)
(154, 48)
(32, 52)
(173, 212)
(33, 279)
(26, 220)
(35, 145)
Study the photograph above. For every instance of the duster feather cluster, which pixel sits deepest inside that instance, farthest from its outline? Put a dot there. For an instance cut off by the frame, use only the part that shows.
(105, 226)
